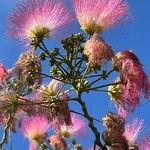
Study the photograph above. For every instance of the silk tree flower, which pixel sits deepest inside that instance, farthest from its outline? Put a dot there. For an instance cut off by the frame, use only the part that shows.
(10, 108)
(97, 148)
(55, 87)
(135, 83)
(144, 144)
(122, 112)
(147, 143)
(132, 131)
(97, 51)
(37, 19)
(28, 69)
(3, 73)
(117, 94)
(77, 127)
(33, 146)
(9, 103)
(131, 69)
(99, 15)
(35, 128)
(53, 103)
(126, 95)
(58, 142)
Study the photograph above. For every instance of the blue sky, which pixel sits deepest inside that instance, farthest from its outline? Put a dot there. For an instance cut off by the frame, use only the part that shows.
(132, 35)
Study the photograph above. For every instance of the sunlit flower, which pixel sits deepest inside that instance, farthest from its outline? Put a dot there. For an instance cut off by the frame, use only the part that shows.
(58, 142)
(97, 51)
(134, 80)
(37, 19)
(35, 128)
(99, 15)
(132, 131)
(78, 127)
(3, 72)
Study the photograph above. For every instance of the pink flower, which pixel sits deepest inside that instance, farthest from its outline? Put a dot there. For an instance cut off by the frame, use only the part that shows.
(145, 144)
(132, 131)
(3, 72)
(99, 15)
(28, 69)
(78, 127)
(54, 103)
(58, 142)
(97, 148)
(122, 112)
(35, 128)
(55, 86)
(97, 50)
(37, 19)
(33, 146)
(134, 79)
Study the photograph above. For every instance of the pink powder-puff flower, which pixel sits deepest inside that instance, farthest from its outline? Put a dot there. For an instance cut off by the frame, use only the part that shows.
(122, 112)
(53, 103)
(147, 143)
(141, 145)
(35, 128)
(144, 144)
(131, 69)
(78, 127)
(33, 20)
(134, 80)
(28, 69)
(97, 51)
(55, 86)
(3, 73)
(58, 142)
(132, 131)
(96, 148)
(33, 146)
(99, 15)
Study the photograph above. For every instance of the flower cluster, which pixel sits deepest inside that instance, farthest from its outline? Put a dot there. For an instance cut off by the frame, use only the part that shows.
(41, 107)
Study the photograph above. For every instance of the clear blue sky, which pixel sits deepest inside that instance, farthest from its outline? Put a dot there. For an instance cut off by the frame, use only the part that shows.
(134, 35)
